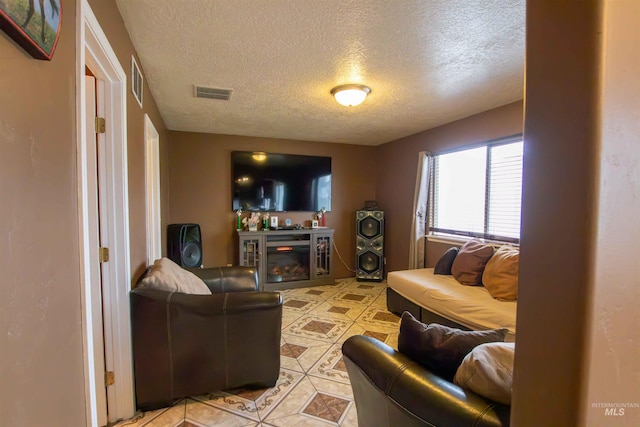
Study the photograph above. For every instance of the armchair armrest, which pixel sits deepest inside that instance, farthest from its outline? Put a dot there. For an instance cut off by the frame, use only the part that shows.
(228, 279)
(398, 391)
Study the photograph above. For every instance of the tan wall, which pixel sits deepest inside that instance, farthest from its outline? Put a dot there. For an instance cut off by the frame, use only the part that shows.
(40, 315)
(396, 179)
(558, 215)
(112, 24)
(41, 356)
(614, 325)
(200, 187)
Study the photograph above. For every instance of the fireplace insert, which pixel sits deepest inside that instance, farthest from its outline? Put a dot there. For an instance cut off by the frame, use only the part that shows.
(288, 262)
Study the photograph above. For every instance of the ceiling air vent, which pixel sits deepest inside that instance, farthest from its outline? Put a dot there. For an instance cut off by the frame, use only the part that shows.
(213, 93)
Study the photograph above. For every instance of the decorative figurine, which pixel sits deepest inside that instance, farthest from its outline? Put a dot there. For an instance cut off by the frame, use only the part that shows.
(253, 221)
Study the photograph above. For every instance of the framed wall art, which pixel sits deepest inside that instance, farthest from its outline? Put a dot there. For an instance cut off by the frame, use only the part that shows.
(33, 24)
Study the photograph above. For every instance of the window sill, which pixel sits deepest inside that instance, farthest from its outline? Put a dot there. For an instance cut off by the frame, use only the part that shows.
(457, 240)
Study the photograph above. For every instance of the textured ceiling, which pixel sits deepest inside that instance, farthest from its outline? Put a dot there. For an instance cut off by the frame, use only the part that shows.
(427, 62)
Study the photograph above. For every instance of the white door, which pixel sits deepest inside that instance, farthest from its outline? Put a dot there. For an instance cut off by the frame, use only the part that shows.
(93, 142)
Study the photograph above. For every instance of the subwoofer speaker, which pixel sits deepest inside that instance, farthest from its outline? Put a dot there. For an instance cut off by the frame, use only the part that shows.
(184, 245)
(370, 245)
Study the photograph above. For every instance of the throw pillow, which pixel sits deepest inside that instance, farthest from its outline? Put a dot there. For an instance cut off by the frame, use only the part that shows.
(488, 371)
(500, 276)
(469, 265)
(443, 266)
(168, 276)
(440, 348)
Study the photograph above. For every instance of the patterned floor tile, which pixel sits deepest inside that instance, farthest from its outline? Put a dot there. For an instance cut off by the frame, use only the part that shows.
(171, 417)
(389, 333)
(331, 366)
(289, 316)
(381, 301)
(378, 316)
(313, 351)
(317, 292)
(348, 312)
(314, 402)
(300, 304)
(316, 327)
(142, 418)
(254, 404)
(199, 414)
(349, 296)
(368, 287)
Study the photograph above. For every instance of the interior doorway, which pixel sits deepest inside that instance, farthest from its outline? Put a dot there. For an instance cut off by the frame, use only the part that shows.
(152, 178)
(103, 222)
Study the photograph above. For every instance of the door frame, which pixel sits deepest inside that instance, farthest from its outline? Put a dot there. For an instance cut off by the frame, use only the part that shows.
(94, 51)
(152, 182)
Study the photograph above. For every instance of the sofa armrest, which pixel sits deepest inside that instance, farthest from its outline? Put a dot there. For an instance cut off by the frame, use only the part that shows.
(398, 391)
(228, 279)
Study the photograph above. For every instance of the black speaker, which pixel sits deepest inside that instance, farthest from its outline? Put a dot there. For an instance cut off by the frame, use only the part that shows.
(370, 245)
(184, 245)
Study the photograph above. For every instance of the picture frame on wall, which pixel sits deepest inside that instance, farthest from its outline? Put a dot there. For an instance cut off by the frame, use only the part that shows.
(33, 24)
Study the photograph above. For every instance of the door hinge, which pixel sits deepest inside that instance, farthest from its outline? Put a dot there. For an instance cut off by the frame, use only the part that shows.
(101, 125)
(109, 378)
(104, 254)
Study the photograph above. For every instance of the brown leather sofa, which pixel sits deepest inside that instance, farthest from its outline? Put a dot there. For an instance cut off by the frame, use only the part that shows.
(185, 345)
(392, 390)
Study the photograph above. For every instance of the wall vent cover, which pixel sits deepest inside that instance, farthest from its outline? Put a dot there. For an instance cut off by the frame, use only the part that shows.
(137, 81)
(213, 93)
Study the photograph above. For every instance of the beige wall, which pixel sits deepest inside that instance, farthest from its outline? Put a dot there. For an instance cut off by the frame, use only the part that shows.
(613, 364)
(41, 356)
(396, 179)
(578, 287)
(200, 188)
(41, 340)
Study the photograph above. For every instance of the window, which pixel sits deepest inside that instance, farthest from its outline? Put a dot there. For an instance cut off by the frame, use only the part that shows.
(477, 192)
(321, 188)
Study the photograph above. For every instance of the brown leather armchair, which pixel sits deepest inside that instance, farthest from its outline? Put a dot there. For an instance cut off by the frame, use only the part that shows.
(392, 390)
(185, 345)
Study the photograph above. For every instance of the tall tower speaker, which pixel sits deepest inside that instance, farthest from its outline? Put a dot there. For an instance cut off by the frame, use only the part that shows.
(370, 245)
(184, 245)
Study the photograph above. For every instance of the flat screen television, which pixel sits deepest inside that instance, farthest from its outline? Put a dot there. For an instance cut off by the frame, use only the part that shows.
(271, 182)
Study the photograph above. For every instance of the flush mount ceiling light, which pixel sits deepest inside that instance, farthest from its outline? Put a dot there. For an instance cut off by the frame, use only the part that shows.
(350, 95)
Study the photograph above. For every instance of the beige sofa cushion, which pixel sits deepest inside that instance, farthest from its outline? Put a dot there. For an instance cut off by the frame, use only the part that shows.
(168, 276)
(488, 371)
(500, 276)
(469, 264)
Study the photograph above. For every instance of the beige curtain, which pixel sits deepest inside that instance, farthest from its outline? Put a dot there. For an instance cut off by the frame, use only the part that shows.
(420, 211)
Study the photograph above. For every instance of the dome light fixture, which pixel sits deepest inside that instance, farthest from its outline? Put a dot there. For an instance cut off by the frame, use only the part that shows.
(350, 95)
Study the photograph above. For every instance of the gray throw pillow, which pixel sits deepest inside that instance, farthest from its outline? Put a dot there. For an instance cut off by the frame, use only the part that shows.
(443, 266)
(440, 348)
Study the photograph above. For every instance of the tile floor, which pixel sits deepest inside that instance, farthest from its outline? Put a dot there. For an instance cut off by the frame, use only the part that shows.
(313, 388)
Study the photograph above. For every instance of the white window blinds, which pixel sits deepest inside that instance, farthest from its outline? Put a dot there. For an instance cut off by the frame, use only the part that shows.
(477, 192)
